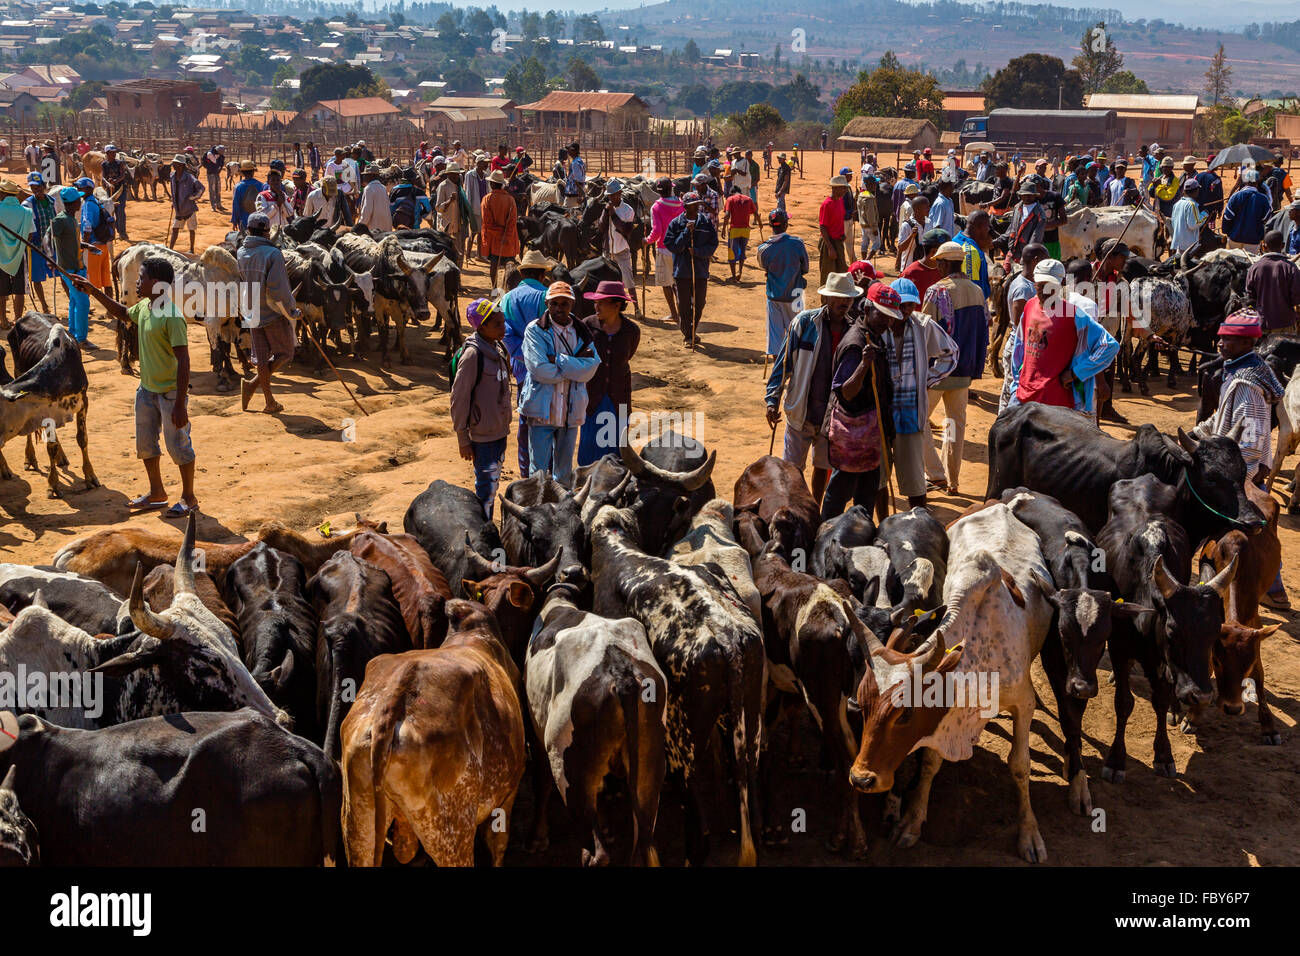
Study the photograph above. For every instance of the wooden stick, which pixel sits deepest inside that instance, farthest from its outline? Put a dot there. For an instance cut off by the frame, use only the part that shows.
(880, 427)
(306, 327)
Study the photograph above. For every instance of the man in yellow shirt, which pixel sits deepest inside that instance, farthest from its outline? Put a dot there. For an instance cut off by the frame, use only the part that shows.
(161, 401)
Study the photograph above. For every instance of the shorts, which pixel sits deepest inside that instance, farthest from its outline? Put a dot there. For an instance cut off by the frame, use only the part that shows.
(190, 222)
(15, 284)
(663, 268)
(153, 413)
(272, 341)
(99, 266)
(738, 245)
(797, 442)
(41, 269)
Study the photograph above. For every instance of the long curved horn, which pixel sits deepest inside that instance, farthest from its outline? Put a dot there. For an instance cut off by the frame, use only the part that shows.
(689, 480)
(539, 576)
(185, 562)
(1167, 583)
(8, 782)
(478, 565)
(146, 620)
(1224, 578)
(581, 495)
(512, 508)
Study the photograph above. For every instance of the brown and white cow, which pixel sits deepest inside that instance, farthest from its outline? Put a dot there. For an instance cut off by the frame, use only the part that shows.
(434, 745)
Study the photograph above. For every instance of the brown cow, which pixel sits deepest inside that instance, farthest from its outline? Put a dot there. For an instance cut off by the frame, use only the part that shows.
(420, 588)
(511, 594)
(1235, 655)
(434, 745)
(776, 491)
(159, 588)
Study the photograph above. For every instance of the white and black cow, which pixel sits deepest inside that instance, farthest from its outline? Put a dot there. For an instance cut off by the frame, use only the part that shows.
(81, 601)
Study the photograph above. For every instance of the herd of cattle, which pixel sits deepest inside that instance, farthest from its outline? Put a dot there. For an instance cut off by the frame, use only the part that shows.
(364, 696)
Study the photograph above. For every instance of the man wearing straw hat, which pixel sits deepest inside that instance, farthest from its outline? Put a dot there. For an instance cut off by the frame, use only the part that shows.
(500, 237)
(692, 239)
(521, 305)
(186, 191)
(800, 383)
(831, 256)
(452, 207)
(17, 221)
(42, 207)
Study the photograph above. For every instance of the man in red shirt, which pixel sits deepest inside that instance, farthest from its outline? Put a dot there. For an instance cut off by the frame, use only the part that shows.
(502, 159)
(740, 213)
(925, 167)
(1050, 339)
(924, 272)
(830, 221)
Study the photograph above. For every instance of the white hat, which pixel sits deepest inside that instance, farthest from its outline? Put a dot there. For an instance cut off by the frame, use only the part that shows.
(1049, 272)
(951, 251)
(840, 285)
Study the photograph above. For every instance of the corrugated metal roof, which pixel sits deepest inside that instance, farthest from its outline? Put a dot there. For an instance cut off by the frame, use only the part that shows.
(569, 101)
(359, 106)
(468, 116)
(1143, 102)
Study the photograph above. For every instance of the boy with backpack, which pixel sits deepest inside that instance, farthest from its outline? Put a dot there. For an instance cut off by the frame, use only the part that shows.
(244, 201)
(97, 230)
(480, 398)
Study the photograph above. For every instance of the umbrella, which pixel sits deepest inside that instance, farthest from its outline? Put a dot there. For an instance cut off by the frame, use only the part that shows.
(1242, 153)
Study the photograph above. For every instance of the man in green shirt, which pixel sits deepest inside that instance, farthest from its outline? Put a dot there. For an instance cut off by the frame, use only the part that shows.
(162, 398)
(65, 235)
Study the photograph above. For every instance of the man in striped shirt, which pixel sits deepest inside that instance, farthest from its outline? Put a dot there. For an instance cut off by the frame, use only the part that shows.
(42, 207)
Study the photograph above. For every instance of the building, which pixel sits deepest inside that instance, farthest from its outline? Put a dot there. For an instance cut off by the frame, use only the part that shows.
(1287, 126)
(260, 119)
(961, 105)
(597, 112)
(154, 100)
(18, 106)
(355, 111)
(503, 103)
(483, 127)
(888, 134)
(1167, 119)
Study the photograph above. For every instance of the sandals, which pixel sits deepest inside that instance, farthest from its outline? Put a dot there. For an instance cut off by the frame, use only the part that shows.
(145, 503)
(181, 510)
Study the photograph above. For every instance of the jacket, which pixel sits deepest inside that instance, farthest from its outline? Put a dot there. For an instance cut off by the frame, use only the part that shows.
(796, 361)
(1246, 213)
(957, 304)
(614, 374)
(934, 354)
(785, 259)
(521, 305)
(1273, 283)
(481, 414)
(663, 212)
(1095, 350)
(691, 253)
(500, 235)
(555, 378)
(261, 266)
(1250, 389)
(186, 191)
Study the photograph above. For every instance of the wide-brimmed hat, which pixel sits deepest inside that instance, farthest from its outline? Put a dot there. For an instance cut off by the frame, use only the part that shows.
(180, 158)
(911, 189)
(840, 285)
(1049, 272)
(609, 289)
(559, 290)
(10, 188)
(838, 181)
(951, 252)
(613, 186)
(532, 259)
(498, 177)
(1190, 161)
(1246, 323)
(885, 300)
(247, 166)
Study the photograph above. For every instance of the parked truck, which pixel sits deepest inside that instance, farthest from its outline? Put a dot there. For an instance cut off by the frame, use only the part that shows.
(1052, 133)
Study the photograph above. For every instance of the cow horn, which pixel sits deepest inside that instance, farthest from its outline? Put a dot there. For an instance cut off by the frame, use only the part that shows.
(1224, 578)
(185, 562)
(8, 782)
(478, 565)
(616, 493)
(282, 672)
(1167, 583)
(689, 480)
(141, 616)
(582, 494)
(931, 651)
(539, 576)
(514, 509)
(38, 600)
(1189, 443)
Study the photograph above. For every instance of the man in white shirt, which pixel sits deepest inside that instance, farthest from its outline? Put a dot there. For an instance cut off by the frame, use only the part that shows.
(376, 214)
(337, 166)
(742, 177)
(616, 224)
(1186, 218)
(272, 201)
(458, 154)
(321, 200)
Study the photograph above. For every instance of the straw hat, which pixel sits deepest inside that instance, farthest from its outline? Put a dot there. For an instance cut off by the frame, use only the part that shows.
(951, 252)
(498, 177)
(840, 285)
(532, 259)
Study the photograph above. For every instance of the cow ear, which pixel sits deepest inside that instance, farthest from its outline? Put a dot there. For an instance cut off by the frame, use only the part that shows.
(521, 594)
(124, 664)
(951, 659)
(1016, 594)
(472, 590)
(752, 507)
(1125, 609)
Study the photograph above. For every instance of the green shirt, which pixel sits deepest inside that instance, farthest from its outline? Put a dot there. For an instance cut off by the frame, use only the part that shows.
(160, 333)
(65, 231)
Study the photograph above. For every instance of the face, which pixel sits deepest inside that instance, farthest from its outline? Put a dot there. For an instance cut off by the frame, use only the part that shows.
(692, 210)
(838, 307)
(1235, 346)
(560, 308)
(493, 328)
(609, 310)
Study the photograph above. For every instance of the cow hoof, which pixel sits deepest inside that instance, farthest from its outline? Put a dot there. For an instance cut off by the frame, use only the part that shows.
(53, 493)
(1080, 798)
(126, 370)
(1187, 727)
(1271, 739)
(1169, 770)
(1113, 775)
(860, 850)
(30, 466)
(907, 833)
(1032, 847)
(94, 483)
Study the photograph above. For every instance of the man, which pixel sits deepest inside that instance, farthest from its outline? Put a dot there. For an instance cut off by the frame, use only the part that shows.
(243, 202)
(782, 186)
(1121, 189)
(97, 233)
(186, 191)
(214, 164)
(925, 271)
(1082, 190)
(1164, 190)
(522, 305)
(1186, 219)
(404, 203)
(1274, 178)
(115, 173)
(161, 401)
(831, 255)
(665, 209)
(800, 382)
(313, 160)
(32, 155)
(272, 201)
(823, 141)
(18, 224)
(885, 208)
(740, 214)
(900, 191)
(421, 156)
(1273, 284)
(614, 226)
(262, 269)
(297, 155)
(767, 157)
(942, 214)
(1028, 223)
(1210, 197)
(754, 174)
(502, 159)
(1019, 291)
(458, 153)
(924, 165)
(451, 206)
(910, 227)
(42, 209)
(299, 190)
(322, 202)
(337, 166)
(784, 258)
(1246, 214)
(699, 159)
(868, 212)
(920, 356)
(1039, 178)
(1064, 348)
(975, 241)
(957, 305)
(476, 190)
(692, 239)
(500, 238)
(742, 175)
(376, 214)
(983, 168)
(576, 182)
(1149, 166)
(65, 238)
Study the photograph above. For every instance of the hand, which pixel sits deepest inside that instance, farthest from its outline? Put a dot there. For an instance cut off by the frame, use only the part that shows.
(773, 415)
(81, 282)
(1066, 378)
(180, 415)
(467, 451)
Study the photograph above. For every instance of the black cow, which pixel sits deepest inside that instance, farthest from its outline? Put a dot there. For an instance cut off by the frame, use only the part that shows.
(556, 235)
(853, 529)
(584, 278)
(358, 620)
(131, 795)
(83, 602)
(266, 590)
(426, 240)
(440, 517)
(1060, 453)
(19, 842)
(548, 524)
(1149, 557)
(1211, 284)
(917, 545)
(672, 483)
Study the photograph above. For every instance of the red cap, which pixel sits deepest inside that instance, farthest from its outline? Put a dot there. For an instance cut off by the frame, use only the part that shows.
(863, 268)
(886, 300)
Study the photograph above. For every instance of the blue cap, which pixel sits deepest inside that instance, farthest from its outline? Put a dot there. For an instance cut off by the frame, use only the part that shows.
(35, 178)
(907, 290)
(70, 194)
(85, 182)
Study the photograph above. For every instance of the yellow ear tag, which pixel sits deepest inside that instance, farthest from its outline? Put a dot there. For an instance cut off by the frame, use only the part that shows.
(917, 612)
(324, 529)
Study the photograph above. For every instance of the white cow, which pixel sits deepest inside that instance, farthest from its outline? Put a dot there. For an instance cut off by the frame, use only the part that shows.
(711, 540)
(977, 664)
(1085, 226)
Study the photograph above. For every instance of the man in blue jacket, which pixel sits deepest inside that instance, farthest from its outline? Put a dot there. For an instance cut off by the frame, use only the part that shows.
(520, 306)
(692, 239)
(1246, 216)
(785, 259)
(244, 201)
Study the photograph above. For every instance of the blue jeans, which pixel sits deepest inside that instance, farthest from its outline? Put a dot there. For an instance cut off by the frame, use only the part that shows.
(488, 456)
(550, 448)
(78, 309)
(589, 447)
(780, 202)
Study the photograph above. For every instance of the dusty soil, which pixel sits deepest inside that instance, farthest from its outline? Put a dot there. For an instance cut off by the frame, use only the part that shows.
(1234, 803)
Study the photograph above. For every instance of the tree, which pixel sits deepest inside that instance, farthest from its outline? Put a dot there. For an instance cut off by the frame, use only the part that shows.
(331, 81)
(695, 99)
(758, 121)
(776, 58)
(526, 82)
(1034, 81)
(691, 52)
(83, 93)
(1217, 78)
(798, 100)
(1125, 82)
(465, 81)
(530, 25)
(553, 24)
(580, 74)
(891, 90)
(588, 28)
(1099, 60)
(736, 97)
(479, 25)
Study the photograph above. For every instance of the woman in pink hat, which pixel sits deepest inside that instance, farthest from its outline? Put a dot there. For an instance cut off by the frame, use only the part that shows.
(609, 393)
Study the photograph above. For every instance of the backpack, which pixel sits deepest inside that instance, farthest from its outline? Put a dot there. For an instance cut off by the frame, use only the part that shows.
(103, 231)
(248, 201)
(456, 365)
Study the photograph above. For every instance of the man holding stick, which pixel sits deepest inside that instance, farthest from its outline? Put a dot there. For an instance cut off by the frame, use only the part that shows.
(42, 207)
(262, 270)
(17, 222)
(186, 190)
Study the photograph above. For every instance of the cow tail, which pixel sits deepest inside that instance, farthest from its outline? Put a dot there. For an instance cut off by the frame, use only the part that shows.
(382, 733)
(742, 735)
(331, 809)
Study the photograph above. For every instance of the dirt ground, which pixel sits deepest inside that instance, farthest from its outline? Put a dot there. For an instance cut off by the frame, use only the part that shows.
(1234, 803)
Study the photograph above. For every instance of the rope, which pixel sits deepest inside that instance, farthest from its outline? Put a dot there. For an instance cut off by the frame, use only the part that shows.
(1236, 522)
